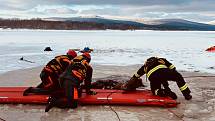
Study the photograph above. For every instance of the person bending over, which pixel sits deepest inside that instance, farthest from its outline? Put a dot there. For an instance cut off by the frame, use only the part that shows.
(159, 71)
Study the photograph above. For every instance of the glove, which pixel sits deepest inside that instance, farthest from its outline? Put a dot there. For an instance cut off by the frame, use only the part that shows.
(92, 93)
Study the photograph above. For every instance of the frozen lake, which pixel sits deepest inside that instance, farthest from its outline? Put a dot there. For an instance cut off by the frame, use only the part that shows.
(185, 49)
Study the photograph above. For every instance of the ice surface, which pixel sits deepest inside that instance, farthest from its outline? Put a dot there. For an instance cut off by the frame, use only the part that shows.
(185, 49)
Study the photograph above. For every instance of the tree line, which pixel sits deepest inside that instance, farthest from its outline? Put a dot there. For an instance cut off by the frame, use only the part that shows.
(62, 25)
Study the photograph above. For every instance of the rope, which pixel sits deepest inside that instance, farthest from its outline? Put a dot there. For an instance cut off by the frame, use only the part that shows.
(179, 117)
(175, 114)
(22, 59)
(111, 106)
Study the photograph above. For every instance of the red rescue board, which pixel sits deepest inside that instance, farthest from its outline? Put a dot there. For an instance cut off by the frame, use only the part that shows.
(211, 49)
(113, 97)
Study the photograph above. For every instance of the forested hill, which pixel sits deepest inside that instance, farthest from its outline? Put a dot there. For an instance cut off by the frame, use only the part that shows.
(64, 25)
(103, 24)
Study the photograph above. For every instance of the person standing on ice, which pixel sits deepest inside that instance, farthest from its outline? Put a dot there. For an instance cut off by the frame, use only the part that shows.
(159, 71)
(78, 71)
(51, 72)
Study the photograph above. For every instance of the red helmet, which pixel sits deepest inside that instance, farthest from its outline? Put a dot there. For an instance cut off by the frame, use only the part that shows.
(71, 53)
(87, 56)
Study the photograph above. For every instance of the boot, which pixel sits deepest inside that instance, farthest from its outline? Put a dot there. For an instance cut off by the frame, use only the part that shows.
(51, 103)
(74, 104)
(27, 91)
(186, 94)
(170, 94)
(188, 97)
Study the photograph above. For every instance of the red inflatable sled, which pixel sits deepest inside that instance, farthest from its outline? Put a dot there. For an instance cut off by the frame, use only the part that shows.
(211, 49)
(14, 95)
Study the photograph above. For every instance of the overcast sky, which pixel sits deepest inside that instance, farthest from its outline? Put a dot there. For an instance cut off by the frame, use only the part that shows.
(194, 10)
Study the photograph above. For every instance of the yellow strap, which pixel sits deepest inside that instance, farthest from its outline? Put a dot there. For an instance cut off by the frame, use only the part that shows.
(58, 59)
(183, 87)
(155, 69)
(171, 67)
(53, 67)
(58, 67)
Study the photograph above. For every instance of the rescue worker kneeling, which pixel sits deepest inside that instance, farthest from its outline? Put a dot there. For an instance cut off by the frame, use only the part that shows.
(159, 71)
(78, 71)
(51, 72)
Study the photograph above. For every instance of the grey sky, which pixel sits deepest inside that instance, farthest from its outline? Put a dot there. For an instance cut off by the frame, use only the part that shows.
(195, 10)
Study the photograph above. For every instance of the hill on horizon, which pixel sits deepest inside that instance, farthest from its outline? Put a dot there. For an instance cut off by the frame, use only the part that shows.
(100, 23)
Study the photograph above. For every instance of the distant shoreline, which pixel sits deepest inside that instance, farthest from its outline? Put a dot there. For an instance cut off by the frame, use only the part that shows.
(101, 29)
(24, 29)
(103, 24)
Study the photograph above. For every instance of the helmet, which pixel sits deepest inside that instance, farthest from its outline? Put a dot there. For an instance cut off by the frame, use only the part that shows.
(152, 58)
(151, 61)
(86, 49)
(71, 53)
(87, 56)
